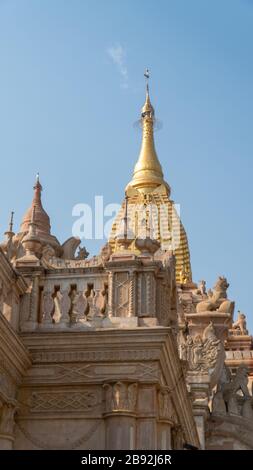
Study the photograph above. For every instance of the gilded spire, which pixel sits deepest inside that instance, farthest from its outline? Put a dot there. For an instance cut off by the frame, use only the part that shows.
(148, 172)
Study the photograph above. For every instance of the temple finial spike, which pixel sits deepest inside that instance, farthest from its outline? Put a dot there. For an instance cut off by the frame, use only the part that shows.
(148, 173)
(37, 182)
(11, 222)
(147, 76)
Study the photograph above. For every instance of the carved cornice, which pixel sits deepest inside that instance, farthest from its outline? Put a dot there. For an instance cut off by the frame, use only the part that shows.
(94, 356)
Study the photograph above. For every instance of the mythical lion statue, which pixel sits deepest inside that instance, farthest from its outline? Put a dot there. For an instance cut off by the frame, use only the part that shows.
(241, 324)
(227, 400)
(217, 299)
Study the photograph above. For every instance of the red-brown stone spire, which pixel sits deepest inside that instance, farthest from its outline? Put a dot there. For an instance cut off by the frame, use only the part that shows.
(41, 218)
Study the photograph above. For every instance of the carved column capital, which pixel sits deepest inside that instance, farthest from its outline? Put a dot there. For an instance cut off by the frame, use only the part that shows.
(120, 397)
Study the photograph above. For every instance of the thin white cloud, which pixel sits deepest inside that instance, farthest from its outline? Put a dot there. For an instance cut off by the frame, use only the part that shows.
(118, 56)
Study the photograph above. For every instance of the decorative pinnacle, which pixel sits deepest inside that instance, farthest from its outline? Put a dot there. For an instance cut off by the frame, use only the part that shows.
(147, 109)
(9, 233)
(11, 222)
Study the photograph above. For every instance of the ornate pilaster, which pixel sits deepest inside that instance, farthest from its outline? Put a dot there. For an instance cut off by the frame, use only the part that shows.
(166, 422)
(7, 422)
(120, 414)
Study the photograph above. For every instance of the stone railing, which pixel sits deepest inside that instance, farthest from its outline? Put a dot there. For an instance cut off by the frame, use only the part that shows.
(121, 294)
(57, 302)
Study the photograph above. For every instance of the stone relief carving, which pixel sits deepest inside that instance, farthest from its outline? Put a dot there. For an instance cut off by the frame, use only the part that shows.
(83, 373)
(120, 396)
(121, 294)
(232, 395)
(201, 352)
(84, 400)
(217, 299)
(186, 304)
(164, 404)
(73, 356)
(161, 302)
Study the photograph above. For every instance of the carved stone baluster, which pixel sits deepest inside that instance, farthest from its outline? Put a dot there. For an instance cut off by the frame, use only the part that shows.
(65, 304)
(101, 302)
(47, 308)
(92, 304)
(78, 307)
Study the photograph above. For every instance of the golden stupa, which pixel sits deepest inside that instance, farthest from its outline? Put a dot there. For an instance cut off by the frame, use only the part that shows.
(149, 191)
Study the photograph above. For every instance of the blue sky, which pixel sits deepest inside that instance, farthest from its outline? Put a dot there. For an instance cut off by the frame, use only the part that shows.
(71, 87)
